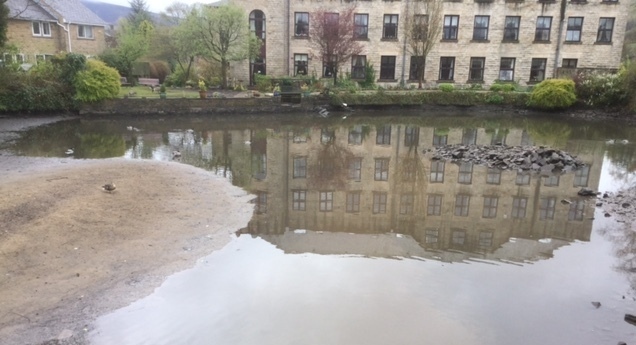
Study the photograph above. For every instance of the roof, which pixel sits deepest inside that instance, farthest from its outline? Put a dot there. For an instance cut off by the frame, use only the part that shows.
(71, 11)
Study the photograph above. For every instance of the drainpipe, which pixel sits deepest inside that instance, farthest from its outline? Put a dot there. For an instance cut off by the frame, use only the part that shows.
(402, 81)
(68, 33)
(287, 43)
(557, 52)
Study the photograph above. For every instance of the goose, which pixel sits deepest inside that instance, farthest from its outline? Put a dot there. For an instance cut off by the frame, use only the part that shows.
(70, 151)
(109, 187)
(176, 154)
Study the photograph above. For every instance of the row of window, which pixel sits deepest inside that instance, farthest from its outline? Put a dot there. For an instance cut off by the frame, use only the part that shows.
(481, 26)
(8, 59)
(547, 205)
(43, 29)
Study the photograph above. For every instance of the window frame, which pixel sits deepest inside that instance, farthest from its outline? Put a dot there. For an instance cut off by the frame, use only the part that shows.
(299, 167)
(42, 27)
(602, 30)
(85, 29)
(519, 207)
(437, 172)
(383, 135)
(379, 202)
(387, 67)
(542, 33)
(355, 169)
(353, 202)
(574, 28)
(390, 26)
(301, 29)
(434, 205)
(462, 205)
(300, 62)
(490, 207)
(325, 199)
(447, 72)
(358, 71)
(505, 68)
(547, 207)
(361, 29)
(481, 29)
(568, 62)
(465, 174)
(516, 22)
(381, 169)
(407, 201)
(479, 71)
(414, 70)
(299, 199)
(450, 30)
(537, 74)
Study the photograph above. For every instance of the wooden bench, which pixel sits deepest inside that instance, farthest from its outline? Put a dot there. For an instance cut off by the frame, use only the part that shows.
(148, 81)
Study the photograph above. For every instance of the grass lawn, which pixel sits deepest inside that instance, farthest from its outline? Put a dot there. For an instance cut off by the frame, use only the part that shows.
(145, 91)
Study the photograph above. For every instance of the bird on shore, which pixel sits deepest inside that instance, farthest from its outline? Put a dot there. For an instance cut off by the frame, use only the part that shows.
(176, 154)
(70, 152)
(109, 187)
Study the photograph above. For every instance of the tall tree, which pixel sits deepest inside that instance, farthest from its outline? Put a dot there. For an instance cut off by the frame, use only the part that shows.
(132, 43)
(423, 25)
(4, 22)
(221, 34)
(333, 36)
(139, 13)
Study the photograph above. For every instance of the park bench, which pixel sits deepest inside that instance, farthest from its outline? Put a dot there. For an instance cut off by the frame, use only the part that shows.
(148, 82)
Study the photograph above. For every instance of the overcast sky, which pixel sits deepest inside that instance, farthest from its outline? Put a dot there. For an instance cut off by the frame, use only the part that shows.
(155, 5)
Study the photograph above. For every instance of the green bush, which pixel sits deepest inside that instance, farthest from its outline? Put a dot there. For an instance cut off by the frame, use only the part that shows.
(369, 77)
(97, 82)
(447, 87)
(502, 87)
(600, 89)
(553, 94)
(494, 98)
(263, 83)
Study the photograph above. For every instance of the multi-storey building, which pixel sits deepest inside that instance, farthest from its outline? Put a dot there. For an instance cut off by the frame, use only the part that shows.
(481, 41)
(43, 28)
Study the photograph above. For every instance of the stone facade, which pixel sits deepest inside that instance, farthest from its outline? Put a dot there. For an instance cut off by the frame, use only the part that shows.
(573, 36)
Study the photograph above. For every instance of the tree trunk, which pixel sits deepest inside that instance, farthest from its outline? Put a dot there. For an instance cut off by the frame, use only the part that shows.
(223, 74)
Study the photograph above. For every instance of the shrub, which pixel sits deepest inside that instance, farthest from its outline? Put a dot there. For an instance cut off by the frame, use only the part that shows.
(494, 98)
(263, 83)
(447, 87)
(97, 82)
(369, 77)
(553, 94)
(601, 89)
(502, 87)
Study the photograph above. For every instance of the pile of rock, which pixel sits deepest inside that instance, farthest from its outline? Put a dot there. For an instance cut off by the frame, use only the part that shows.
(530, 158)
(621, 204)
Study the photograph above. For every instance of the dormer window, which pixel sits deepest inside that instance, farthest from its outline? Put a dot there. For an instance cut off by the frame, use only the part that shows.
(41, 29)
(84, 31)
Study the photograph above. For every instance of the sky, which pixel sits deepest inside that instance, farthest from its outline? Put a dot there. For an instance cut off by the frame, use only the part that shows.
(156, 5)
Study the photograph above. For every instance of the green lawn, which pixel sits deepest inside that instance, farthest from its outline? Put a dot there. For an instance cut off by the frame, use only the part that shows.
(144, 91)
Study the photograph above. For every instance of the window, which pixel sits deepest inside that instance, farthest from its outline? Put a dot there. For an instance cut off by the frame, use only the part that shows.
(581, 176)
(542, 32)
(381, 169)
(507, 69)
(41, 29)
(361, 25)
(84, 31)
(576, 210)
(327, 135)
(490, 207)
(299, 137)
(299, 199)
(537, 69)
(605, 28)
(300, 64)
(480, 30)
(409, 169)
(387, 67)
(546, 208)
(383, 135)
(465, 173)
(434, 207)
(511, 28)
(522, 179)
(485, 239)
(493, 176)
(411, 136)
(469, 136)
(355, 168)
(328, 66)
(416, 70)
(437, 171)
(358, 66)
(406, 204)
(575, 26)
(355, 135)
(301, 24)
(379, 202)
(326, 201)
(458, 237)
(353, 202)
(569, 63)
(446, 68)
(261, 202)
(439, 138)
(432, 236)
(451, 25)
(420, 27)
(461, 205)
(519, 205)
(477, 69)
(300, 167)
(390, 30)
(552, 181)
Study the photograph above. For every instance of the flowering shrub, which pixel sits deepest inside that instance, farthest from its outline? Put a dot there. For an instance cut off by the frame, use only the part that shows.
(601, 89)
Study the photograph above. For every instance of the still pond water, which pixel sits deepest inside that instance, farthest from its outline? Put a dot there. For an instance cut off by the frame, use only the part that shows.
(359, 238)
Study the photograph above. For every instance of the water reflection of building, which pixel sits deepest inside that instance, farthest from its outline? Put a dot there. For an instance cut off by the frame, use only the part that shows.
(377, 180)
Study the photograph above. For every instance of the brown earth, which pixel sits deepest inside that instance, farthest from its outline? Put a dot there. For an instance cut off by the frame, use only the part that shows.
(70, 251)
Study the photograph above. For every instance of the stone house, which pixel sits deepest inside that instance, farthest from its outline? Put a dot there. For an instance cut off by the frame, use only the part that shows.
(482, 41)
(42, 28)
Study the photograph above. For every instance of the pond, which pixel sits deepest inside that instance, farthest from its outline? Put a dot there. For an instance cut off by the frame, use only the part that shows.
(358, 237)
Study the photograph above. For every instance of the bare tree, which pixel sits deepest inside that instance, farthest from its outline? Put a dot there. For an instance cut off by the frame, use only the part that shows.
(333, 36)
(423, 25)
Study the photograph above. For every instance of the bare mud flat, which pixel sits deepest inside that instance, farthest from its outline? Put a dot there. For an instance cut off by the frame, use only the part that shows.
(70, 251)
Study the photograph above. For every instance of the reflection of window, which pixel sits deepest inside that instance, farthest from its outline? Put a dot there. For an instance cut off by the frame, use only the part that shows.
(381, 169)
(485, 239)
(437, 171)
(261, 202)
(542, 32)
(451, 25)
(358, 66)
(355, 168)
(537, 69)
(490, 207)
(406, 203)
(461, 205)
(551, 181)
(411, 136)
(361, 25)
(546, 208)
(259, 165)
(522, 179)
(383, 135)
(507, 69)
(326, 201)
(440, 139)
(446, 68)
(299, 137)
(300, 64)
(300, 167)
(519, 207)
(416, 69)
(434, 207)
(432, 235)
(299, 199)
(387, 67)
(379, 202)
(476, 69)
(327, 135)
(353, 202)
(493, 176)
(41, 29)
(576, 210)
(581, 176)
(465, 173)
(84, 31)
(511, 28)
(605, 28)
(575, 26)
(469, 136)
(390, 26)
(458, 236)
(480, 30)
(302, 24)
(409, 169)
(355, 135)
